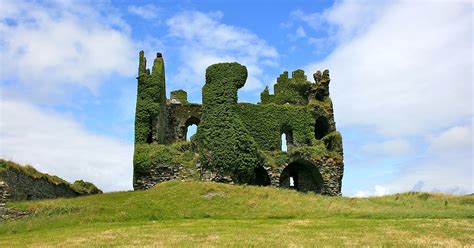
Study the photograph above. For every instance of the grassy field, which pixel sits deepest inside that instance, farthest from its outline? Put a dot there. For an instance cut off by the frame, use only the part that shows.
(210, 214)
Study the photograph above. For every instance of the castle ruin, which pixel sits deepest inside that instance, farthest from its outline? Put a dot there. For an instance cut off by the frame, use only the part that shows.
(237, 142)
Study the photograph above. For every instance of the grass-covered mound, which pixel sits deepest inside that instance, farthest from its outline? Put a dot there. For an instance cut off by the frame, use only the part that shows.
(212, 214)
(79, 186)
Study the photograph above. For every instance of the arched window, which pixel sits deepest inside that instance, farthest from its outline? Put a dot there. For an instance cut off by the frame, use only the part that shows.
(190, 128)
(190, 131)
(286, 138)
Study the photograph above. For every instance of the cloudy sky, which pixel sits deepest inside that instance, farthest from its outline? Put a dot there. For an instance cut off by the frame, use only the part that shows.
(401, 80)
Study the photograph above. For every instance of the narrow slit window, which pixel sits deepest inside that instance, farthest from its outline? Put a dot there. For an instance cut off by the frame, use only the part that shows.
(284, 143)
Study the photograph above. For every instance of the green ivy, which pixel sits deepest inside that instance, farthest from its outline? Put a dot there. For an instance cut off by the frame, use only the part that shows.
(224, 142)
(151, 97)
(266, 123)
(180, 95)
(294, 90)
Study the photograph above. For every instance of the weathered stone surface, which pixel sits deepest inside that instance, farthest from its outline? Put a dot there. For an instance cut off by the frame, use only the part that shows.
(24, 187)
(158, 174)
(179, 118)
(18, 182)
(7, 213)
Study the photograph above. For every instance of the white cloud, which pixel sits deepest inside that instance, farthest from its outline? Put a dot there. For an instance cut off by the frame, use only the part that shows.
(445, 167)
(395, 147)
(300, 32)
(404, 70)
(437, 174)
(341, 22)
(204, 40)
(409, 72)
(54, 143)
(454, 140)
(376, 191)
(61, 46)
(149, 11)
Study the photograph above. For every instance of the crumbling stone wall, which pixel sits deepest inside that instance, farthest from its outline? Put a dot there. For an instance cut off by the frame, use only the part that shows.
(179, 118)
(239, 142)
(160, 173)
(3, 193)
(24, 187)
(7, 213)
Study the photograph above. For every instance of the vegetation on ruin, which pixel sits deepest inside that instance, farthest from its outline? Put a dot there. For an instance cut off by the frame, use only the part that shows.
(150, 87)
(294, 90)
(180, 95)
(235, 139)
(267, 122)
(79, 186)
(149, 156)
(224, 143)
(212, 214)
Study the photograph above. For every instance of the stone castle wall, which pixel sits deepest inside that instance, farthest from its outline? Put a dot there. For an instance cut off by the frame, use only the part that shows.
(159, 174)
(23, 187)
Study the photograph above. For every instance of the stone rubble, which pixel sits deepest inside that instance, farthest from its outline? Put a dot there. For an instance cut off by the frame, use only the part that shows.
(7, 213)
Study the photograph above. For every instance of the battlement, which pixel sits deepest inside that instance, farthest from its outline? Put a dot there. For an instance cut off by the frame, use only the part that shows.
(297, 90)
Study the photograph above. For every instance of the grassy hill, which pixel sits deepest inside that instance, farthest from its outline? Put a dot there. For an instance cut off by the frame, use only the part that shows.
(211, 214)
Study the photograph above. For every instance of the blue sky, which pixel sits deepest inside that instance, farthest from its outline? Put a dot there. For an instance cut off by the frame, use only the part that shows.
(401, 80)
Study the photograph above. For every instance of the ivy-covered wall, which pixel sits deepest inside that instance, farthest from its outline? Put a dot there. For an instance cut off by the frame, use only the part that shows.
(223, 140)
(151, 101)
(267, 122)
(238, 142)
(294, 90)
(180, 96)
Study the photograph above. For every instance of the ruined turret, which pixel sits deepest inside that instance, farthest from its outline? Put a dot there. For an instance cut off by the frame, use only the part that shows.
(150, 114)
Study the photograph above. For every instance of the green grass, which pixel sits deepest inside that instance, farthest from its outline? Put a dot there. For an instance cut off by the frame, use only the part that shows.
(211, 214)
